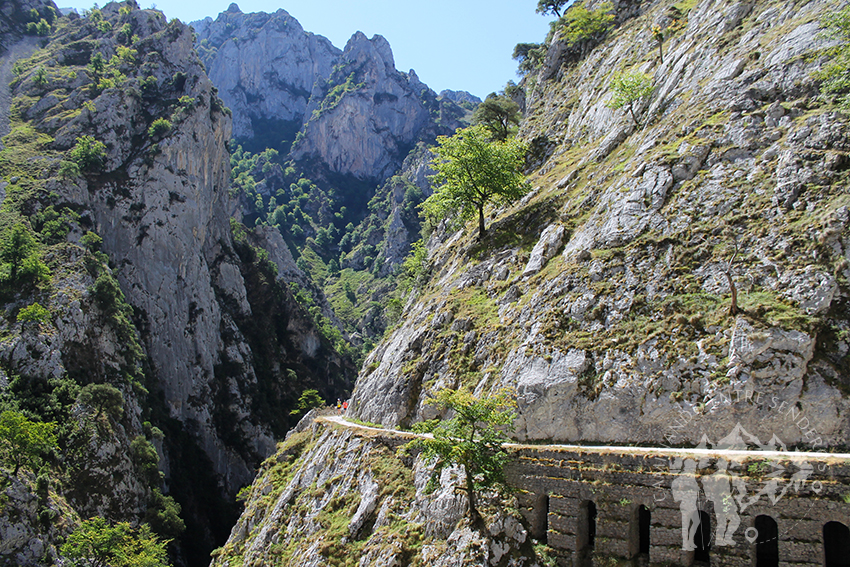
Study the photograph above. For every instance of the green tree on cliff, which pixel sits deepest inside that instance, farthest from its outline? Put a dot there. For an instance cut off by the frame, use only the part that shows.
(472, 171)
(471, 439)
(551, 7)
(97, 543)
(22, 441)
(497, 113)
(628, 89)
(19, 249)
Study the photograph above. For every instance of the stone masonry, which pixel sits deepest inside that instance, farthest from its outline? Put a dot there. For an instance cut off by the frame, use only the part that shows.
(557, 486)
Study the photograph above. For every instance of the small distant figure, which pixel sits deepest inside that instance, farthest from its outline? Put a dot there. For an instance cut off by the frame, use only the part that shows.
(345, 406)
(338, 406)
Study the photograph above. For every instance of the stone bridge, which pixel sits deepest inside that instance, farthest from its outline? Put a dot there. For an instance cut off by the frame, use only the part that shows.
(596, 506)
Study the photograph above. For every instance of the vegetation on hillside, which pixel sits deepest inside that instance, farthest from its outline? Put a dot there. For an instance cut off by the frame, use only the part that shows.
(473, 172)
(471, 439)
(836, 73)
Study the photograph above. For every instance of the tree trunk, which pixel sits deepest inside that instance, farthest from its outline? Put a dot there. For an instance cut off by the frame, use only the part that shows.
(474, 516)
(481, 229)
(632, 112)
(661, 52)
(733, 308)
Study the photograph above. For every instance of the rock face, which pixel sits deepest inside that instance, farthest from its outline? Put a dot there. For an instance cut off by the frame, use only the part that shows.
(226, 347)
(264, 66)
(461, 97)
(353, 112)
(619, 318)
(330, 495)
(376, 119)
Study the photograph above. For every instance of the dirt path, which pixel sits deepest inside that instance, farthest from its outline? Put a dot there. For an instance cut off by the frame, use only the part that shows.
(661, 451)
(21, 49)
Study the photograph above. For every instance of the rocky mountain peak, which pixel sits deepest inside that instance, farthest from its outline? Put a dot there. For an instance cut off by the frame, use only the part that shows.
(377, 50)
(233, 8)
(264, 66)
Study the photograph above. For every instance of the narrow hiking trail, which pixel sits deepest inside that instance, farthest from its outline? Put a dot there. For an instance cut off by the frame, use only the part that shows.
(657, 451)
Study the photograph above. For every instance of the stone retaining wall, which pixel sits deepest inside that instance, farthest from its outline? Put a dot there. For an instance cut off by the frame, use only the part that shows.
(556, 487)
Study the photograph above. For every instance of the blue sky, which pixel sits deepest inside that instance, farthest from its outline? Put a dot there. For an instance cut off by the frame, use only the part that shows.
(451, 44)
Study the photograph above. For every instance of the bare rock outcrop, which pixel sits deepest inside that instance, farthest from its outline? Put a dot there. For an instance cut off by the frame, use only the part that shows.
(629, 326)
(366, 129)
(264, 66)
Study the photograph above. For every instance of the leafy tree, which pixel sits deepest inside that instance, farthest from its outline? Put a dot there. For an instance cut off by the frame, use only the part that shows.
(92, 241)
(41, 28)
(22, 442)
(578, 23)
(146, 457)
(40, 77)
(472, 439)
(836, 73)
(473, 171)
(97, 543)
(88, 153)
(628, 89)
(529, 56)
(97, 65)
(160, 127)
(497, 113)
(415, 266)
(163, 515)
(551, 7)
(17, 246)
(102, 398)
(308, 400)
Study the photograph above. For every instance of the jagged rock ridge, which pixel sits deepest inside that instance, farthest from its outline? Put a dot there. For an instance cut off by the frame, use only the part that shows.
(353, 111)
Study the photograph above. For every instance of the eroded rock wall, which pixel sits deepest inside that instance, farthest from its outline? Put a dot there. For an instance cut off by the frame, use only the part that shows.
(264, 65)
(223, 347)
(603, 297)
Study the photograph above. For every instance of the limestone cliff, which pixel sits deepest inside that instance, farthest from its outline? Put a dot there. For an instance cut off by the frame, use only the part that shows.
(331, 496)
(219, 349)
(602, 297)
(353, 112)
(368, 115)
(265, 66)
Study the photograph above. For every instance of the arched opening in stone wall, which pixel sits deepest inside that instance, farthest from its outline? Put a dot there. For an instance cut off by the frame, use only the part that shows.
(702, 539)
(836, 545)
(639, 532)
(540, 518)
(643, 518)
(767, 542)
(586, 532)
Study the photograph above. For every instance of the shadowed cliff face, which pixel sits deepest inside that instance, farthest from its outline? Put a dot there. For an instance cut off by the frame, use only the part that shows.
(228, 349)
